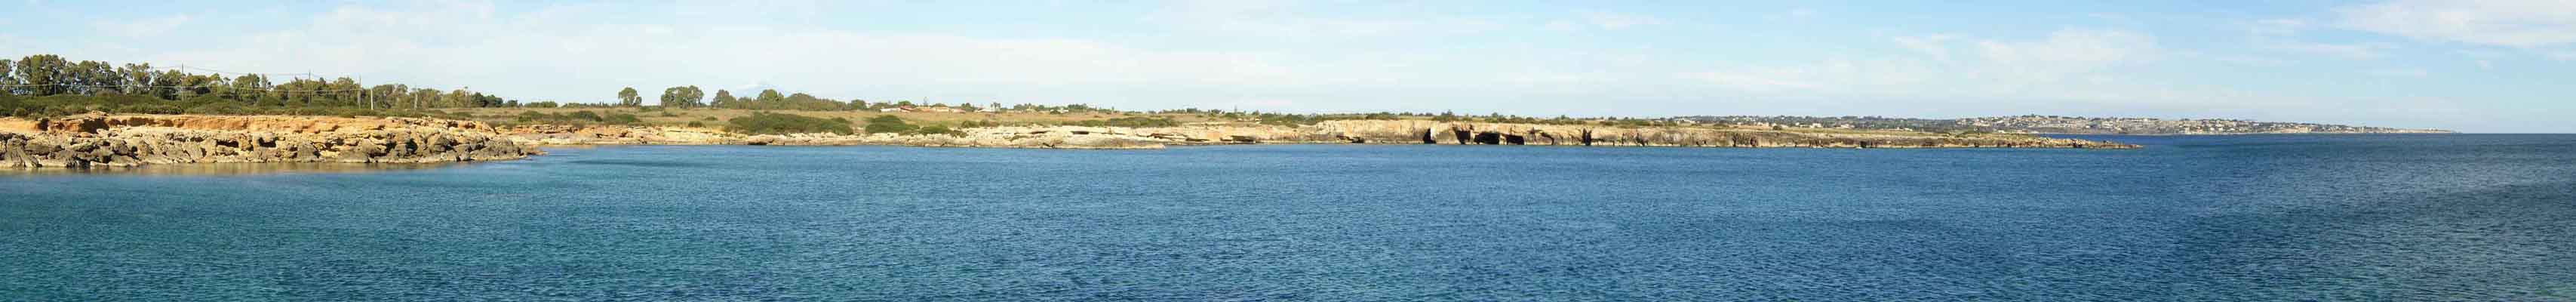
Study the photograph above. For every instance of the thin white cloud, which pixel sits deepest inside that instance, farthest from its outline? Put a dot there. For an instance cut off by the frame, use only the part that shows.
(1796, 14)
(446, 45)
(1760, 80)
(1932, 45)
(2348, 51)
(1277, 19)
(143, 28)
(2278, 27)
(2400, 72)
(2516, 23)
(2069, 51)
(1616, 21)
(2066, 65)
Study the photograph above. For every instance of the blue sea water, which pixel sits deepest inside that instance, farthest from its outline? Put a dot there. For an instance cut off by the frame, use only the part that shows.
(2292, 217)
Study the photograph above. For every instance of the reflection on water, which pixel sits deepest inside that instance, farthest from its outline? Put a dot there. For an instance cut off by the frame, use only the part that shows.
(226, 169)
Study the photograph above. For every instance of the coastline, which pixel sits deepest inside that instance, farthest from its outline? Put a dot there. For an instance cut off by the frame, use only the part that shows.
(86, 141)
(1328, 132)
(127, 140)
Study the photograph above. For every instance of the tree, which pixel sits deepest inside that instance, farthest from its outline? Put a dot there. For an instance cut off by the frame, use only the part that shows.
(725, 99)
(95, 77)
(169, 84)
(248, 87)
(888, 124)
(802, 101)
(768, 99)
(138, 79)
(344, 92)
(6, 79)
(682, 97)
(629, 97)
(458, 98)
(424, 98)
(42, 72)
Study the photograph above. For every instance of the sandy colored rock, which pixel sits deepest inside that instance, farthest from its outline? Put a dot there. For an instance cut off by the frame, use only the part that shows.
(1330, 132)
(131, 140)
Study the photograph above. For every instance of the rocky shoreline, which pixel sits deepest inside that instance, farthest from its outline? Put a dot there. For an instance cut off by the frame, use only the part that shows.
(98, 140)
(1330, 132)
(88, 141)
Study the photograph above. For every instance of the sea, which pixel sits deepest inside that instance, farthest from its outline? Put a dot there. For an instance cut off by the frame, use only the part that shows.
(2487, 217)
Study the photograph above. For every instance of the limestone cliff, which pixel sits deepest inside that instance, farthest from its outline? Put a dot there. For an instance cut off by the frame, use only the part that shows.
(130, 140)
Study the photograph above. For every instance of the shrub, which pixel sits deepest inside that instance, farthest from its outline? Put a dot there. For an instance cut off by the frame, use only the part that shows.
(622, 119)
(889, 124)
(585, 115)
(533, 116)
(781, 123)
(1133, 122)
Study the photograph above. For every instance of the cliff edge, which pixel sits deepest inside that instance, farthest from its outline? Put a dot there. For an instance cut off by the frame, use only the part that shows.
(84, 141)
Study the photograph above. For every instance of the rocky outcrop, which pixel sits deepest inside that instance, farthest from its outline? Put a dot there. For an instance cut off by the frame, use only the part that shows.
(1477, 133)
(989, 137)
(1331, 132)
(619, 135)
(131, 140)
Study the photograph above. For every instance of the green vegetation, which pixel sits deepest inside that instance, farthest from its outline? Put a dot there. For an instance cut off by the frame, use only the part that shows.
(578, 117)
(629, 97)
(771, 99)
(889, 124)
(682, 97)
(61, 105)
(1136, 121)
(49, 85)
(781, 123)
(37, 83)
(892, 124)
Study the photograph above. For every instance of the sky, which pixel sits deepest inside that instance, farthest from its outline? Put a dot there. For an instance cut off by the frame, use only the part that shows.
(2477, 66)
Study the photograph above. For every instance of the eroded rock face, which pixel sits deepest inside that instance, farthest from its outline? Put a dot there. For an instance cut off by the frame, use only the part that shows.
(131, 140)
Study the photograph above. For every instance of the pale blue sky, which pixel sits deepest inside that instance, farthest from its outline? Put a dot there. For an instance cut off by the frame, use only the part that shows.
(2483, 66)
